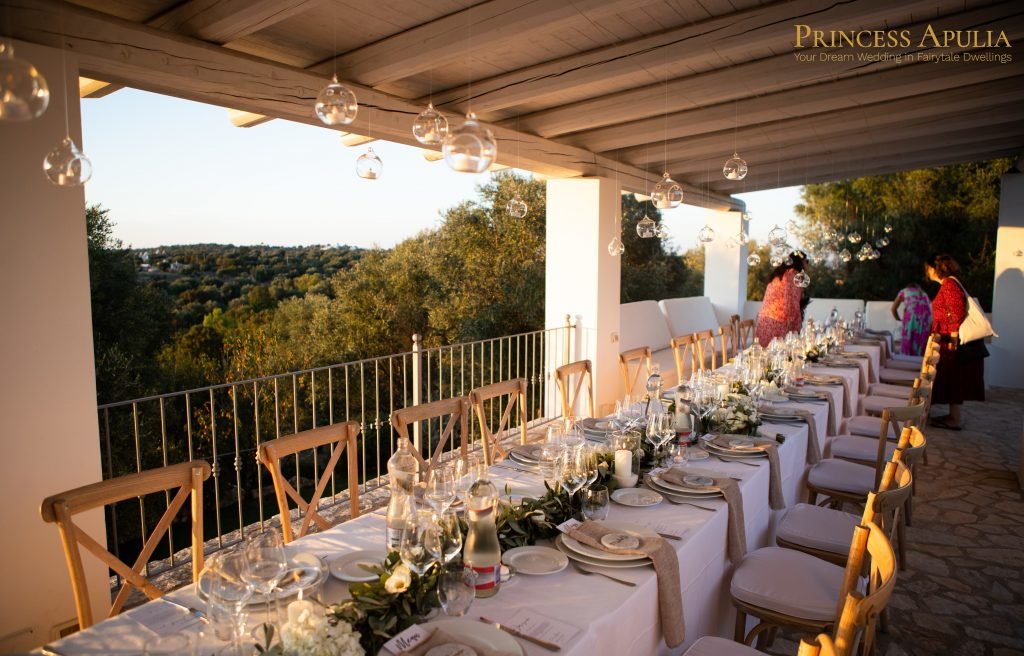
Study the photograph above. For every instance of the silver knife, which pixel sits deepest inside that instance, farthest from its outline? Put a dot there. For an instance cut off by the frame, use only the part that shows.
(519, 634)
(195, 612)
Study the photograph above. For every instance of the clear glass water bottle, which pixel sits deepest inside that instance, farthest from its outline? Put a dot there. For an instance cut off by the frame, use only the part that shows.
(403, 470)
(654, 390)
(482, 551)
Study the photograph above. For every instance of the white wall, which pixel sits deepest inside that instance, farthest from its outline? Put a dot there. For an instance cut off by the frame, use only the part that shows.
(582, 279)
(49, 431)
(725, 265)
(1006, 366)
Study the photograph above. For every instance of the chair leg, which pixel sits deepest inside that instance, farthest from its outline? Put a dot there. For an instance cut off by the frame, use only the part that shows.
(901, 541)
(740, 633)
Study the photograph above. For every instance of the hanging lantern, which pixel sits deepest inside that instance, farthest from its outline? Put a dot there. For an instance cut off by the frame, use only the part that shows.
(431, 127)
(336, 104)
(66, 166)
(777, 236)
(887, 228)
(706, 234)
(516, 207)
(667, 193)
(854, 237)
(801, 279)
(735, 168)
(616, 247)
(845, 255)
(369, 166)
(471, 147)
(753, 259)
(24, 94)
(646, 227)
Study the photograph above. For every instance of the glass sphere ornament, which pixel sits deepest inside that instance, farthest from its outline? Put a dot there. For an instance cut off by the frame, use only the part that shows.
(747, 216)
(777, 236)
(854, 237)
(616, 247)
(369, 166)
(66, 166)
(431, 127)
(735, 168)
(845, 255)
(887, 228)
(471, 147)
(662, 231)
(776, 260)
(801, 279)
(882, 242)
(517, 207)
(667, 193)
(706, 234)
(740, 238)
(336, 104)
(753, 259)
(24, 94)
(645, 227)
(788, 261)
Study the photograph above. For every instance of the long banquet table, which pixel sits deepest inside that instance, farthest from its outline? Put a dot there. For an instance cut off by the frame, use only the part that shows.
(614, 619)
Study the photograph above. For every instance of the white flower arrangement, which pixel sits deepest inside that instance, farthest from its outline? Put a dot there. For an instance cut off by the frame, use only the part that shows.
(310, 631)
(739, 416)
(399, 581)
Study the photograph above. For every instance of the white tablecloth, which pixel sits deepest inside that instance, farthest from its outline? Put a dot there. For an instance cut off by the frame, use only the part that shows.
(874, 354)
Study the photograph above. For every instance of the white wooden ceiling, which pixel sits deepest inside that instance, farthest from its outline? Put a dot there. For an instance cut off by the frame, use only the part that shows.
(578, 87)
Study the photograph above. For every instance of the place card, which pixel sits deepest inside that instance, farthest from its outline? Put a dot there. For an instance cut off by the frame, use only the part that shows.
(568, 525)
(540, 626)
(407, 640)
(164, 619)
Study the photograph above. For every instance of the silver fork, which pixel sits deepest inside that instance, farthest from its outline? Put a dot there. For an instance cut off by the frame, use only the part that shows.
(686, 503)
(742, 462)
(588, 572)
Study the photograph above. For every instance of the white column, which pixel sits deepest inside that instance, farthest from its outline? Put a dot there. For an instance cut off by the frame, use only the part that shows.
(1005, 367)
(725, 265)
(50, 433)
(582, 279)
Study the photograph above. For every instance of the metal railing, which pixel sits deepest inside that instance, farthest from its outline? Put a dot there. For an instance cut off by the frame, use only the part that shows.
(226, 423)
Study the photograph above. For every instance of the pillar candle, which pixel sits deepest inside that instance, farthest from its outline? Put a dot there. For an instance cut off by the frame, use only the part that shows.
(623, 463)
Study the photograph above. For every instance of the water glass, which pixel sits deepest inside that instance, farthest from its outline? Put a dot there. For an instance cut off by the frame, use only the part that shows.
(264, 563)
(551, 462)
(595, 503)
(465, 473)
(456, 590)
(440, 492)
(414, 546)
(228, 596)
(445, 538)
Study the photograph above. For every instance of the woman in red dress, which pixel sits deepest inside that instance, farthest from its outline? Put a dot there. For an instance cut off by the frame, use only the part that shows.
(781, 311)
(961, 372)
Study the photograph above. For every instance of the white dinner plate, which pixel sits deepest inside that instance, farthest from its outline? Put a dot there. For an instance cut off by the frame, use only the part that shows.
(776, 397)
(305, 571)
(347, 567)
(580, 558)
(474, 634)
(528, 452)
(600, 555)
(735, 453)
(523, 463)
(535, 561)
(673, 493)
(677, 489)
(740, 443)
(823, 380)
(636, 497)
(695, 454)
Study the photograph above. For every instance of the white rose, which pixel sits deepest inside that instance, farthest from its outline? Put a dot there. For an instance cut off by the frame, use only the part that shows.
(399, 581)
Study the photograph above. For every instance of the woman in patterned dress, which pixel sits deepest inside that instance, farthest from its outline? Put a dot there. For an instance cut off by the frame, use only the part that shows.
(917, 318)
(961, 372)
(781, 311)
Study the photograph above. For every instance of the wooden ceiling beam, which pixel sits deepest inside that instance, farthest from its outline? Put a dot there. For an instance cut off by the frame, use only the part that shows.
(223, 21)
(457, 35)
(242, 119)
(127, 53)
(769, 26)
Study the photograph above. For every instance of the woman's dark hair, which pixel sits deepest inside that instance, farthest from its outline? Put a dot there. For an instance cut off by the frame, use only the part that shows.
(945, 265)
(799, 261)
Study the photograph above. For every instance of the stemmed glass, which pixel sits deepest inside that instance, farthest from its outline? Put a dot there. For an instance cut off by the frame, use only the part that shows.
(466, 471)
(551, 456)
(440, 493)
(264, 563)
(413, 549)
(228, 595)
(574, 471)
(590, 461)
(444, 539)
(660, 429)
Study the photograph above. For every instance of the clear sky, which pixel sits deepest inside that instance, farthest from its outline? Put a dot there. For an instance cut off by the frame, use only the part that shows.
(178, 172)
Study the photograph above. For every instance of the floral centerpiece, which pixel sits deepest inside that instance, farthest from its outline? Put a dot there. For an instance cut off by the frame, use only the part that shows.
(738, 415)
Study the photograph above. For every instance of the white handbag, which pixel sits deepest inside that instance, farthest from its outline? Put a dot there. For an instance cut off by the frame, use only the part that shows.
(975, 325)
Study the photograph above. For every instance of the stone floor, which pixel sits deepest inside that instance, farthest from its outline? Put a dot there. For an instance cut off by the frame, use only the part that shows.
(962, 593)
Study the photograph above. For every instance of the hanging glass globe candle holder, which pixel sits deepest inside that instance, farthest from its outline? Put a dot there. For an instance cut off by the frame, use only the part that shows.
(470, 148)
(516, 207)
(430, 127)
(66, 166)
(753, 259)
(336, 104)
(788, 261)
(667, 193)
(747, 216)
(882, 242)
(845, 255)
(735, 167)
(864, 253)
(369, 166)
(777, 236)
(645, 227)
(887, 228)
(24, 94)
(740, 238)
(616, 247)
(776, 260)
(662, 231)
(854, 237)
(706, 235)
(801, 279)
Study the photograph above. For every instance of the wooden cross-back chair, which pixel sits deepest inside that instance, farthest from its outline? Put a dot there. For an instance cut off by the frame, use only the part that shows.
(341, 437)
(564, 377)
(706, 349)
(726, 342)
(187, 478)
(744, 334)
(515, 391)
(632, 363)
(686, 352)
(457, 411)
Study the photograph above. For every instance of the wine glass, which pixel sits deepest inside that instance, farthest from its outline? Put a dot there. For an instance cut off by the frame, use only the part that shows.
(413, 548)
(574, 471)
(591, 462)
(456, 590)
(228, 595)
(440, 493)
(551, 463)
(465, 473)
(444, 540)
(264, 563)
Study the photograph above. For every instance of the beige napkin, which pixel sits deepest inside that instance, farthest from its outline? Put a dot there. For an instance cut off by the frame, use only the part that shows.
(441, 637)
(737, 542)
(813, 449)
(847, 401)
(776, 500)
(666, 566)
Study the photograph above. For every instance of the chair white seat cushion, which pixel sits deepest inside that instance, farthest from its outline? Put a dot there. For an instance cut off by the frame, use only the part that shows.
(887, 375)
(868, 426)
(887, 389)
(842, 476)
(789, 582)
(714, 646)
(819, 528)
(874, 405)
(859, 447)
(905, 365)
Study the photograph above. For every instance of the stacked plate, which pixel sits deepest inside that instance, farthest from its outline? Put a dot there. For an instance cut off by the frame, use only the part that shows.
(588, 555)
(823, 380)
(694, 487)
(779, 415)
(731, 446)
(596, 429)
(526, 455)
(796, 394)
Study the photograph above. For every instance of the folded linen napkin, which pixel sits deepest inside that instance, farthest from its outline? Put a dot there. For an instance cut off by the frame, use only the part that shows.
(441, 637)
(847, 401)
(776, 500)
(833, 424)
(666, 567)
(813, 448)
(736, 545)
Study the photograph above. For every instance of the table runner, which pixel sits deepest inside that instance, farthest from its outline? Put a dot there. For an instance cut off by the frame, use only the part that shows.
(737, 540)
(776, 500)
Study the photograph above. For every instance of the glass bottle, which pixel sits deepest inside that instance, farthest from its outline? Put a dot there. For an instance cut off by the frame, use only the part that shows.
(654, 390)
(482, 552)
(403, 468)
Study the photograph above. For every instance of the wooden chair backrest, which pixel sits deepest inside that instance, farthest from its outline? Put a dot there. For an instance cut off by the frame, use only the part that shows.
(186, 477)
(641, 358)
(915, 444)
(457, 410)
(726, 342)
(706, 349)
(515, 390)
(340, 437)
(564, 378)
(892, 493)
(858, 613)
(684, 350)
(745, 334)
(896, 418)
